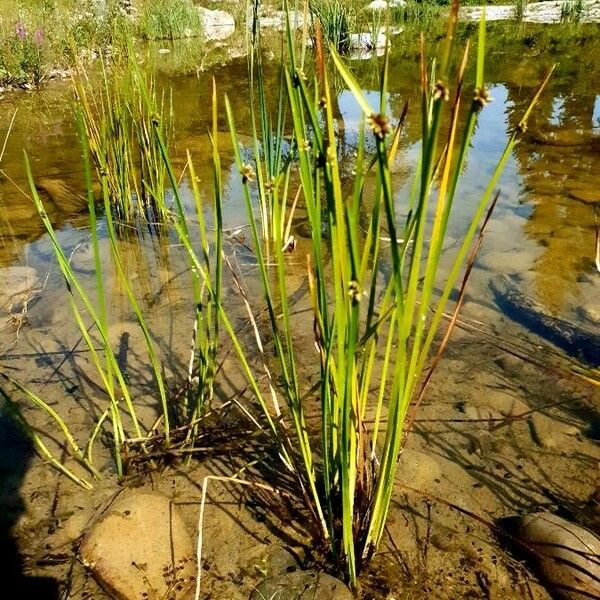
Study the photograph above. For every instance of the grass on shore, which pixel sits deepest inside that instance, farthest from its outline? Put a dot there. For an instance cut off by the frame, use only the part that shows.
(42, 37)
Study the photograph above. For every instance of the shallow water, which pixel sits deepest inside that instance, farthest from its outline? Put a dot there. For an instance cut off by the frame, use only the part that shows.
(543, 236)
(545, 217)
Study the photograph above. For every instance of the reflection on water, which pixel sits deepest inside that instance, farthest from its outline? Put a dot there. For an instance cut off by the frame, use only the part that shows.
(544, 228)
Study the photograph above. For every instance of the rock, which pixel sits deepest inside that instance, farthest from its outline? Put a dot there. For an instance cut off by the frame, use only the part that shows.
(385, 4)
(480, 413)
(366, 41)
(377, 5)
(417, 469)
(509, 362)
(364, 54)
(542, 431)
(140, 546)
(73, 527)
(548, 433)
(480, 443)
(504, 261)
(590, 313)
(285, 579)
(302, 585)
(567, 555)
(589, 195)
(575, 338)
(277, 20)
(216, 24)
(15, 285)
(492, 13)
(363, 46)
(446, 539)
(470, 412)
(63, 197)
(506, 404)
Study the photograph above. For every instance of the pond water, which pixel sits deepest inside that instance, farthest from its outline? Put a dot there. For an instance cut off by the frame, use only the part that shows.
(543, 238)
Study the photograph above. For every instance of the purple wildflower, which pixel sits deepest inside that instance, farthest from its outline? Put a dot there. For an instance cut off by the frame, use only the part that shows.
(20, 31)
(39, 37)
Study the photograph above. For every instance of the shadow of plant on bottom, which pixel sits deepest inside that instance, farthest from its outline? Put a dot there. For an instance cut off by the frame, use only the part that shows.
(373, 333)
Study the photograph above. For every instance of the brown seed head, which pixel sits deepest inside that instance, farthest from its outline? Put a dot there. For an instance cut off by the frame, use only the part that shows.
(521, 127)
(481, 97)
(354, 291)
(379, 124)
(247, 173)
(441, 92)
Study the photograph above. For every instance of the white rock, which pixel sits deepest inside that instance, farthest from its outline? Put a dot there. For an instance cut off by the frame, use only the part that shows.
(363, 54)
(277, 20)
(385, 4)
(216, 24)
(378, 5)
(366, 41)
(492, 13)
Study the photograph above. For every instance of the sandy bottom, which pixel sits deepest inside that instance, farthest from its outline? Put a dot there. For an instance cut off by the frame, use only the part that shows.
(495, 436)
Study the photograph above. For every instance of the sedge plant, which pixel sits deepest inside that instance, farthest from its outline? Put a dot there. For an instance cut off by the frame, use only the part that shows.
(373, 333)
(179, 415)
(271, 151)
(338, 19)
(119, 122)
(207, 272)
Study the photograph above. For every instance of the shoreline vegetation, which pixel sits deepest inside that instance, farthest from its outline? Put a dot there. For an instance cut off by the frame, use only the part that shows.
(43, 39)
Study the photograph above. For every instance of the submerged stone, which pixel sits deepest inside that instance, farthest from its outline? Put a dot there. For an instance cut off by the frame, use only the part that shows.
(567, 555)
(141, 549)
(549, 433)
(302, 585)
(588, 195)
(62, 196)
(505, 403)
(284, 578)
(417, 469)
(16, 283)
